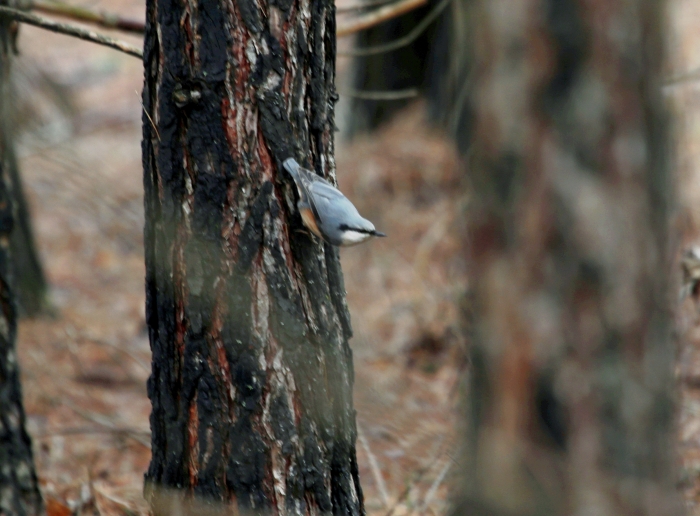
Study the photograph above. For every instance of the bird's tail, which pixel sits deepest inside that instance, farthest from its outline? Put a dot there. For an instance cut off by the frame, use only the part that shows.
(291, 166)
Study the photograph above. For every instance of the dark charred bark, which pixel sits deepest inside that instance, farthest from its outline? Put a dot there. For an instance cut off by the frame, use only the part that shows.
(571, 387)
(19, 492)
(252, 372)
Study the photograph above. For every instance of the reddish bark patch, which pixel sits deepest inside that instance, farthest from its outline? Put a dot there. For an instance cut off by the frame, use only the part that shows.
(192, 431)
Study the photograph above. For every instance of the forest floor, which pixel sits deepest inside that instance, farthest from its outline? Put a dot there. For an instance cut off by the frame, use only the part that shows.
(85, 369)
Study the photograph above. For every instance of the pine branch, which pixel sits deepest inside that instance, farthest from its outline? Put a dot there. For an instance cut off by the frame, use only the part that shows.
(82, 14)
(692, 75)
(403, 41)
(381, 95)
(362, 6)
(113, 21)
(116, 22)
(377, 16)
(70, 30)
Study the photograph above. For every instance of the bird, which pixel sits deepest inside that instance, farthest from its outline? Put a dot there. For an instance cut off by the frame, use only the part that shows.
(326, 212)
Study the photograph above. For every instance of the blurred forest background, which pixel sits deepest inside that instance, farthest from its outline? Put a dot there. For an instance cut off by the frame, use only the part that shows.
(85, 368)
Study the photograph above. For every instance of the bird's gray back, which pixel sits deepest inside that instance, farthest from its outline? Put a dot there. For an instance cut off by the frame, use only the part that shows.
(334, 209)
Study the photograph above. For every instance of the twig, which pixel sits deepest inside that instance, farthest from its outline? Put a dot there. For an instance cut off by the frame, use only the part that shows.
(417, 478)
(377, 16)
(118, 501)
(363, 5)
(133, 356)
(373, 466)
(381, 95)
(70, 30)
(103, 421)
(401, 42)
(94, 456)
(435, 485)
(683, 77)
(82, 14)
(90, 430)
(72, 351)
(149, 116)
(408, 489)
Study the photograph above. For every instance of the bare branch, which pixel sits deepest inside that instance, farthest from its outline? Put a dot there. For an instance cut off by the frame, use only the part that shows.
(374, 466)
(104, 421)
(404, 41)
(377, 16)
(121, 349)
(362, 6)
(155, 129)
(82, 14)
(435, 485)
(692, 75)
(90, 430)
(418, 476)
(381, 95)
(70, 30)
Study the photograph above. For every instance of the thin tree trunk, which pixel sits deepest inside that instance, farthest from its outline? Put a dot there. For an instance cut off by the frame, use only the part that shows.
(19, 491)
(571, 390)
(32, 288)
(252, 372)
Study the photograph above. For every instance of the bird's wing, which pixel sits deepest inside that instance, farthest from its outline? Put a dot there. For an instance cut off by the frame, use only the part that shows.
(311, 178)
(314, 189)
(320, 196)
(332, 203)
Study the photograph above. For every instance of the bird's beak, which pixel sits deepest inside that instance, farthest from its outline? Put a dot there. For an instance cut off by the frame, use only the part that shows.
(378, 234)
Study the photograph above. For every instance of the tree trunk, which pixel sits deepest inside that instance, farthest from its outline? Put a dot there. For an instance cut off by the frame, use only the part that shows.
(19, 491)
(252, 372)
(31, 285)
(32, 288)
(571, 389)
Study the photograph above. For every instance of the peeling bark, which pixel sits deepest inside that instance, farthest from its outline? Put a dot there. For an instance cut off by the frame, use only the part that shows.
(571, 390)
(252, 372)
(19, 491)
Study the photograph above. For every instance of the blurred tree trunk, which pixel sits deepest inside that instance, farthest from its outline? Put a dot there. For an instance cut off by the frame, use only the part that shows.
(252, 372)
(571, 389)
(32, 288)
(19, 491)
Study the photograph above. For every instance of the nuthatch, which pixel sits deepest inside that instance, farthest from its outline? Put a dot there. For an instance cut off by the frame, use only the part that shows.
(326, 211)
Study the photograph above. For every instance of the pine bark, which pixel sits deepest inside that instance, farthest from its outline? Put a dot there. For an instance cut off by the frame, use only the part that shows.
(19, 491)
(571, 388)
(252, 375)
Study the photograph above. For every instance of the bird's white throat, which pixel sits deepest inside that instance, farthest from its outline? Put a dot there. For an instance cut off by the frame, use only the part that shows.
(350, 237)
